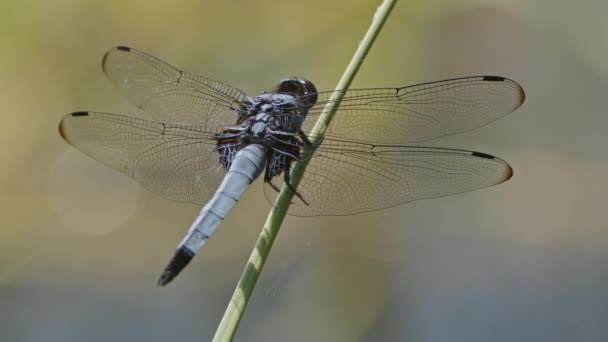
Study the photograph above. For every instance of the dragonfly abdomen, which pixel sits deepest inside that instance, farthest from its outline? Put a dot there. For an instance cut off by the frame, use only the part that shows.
(245, 168)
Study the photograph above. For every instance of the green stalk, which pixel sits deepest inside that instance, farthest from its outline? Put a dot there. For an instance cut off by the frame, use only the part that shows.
(242, 293)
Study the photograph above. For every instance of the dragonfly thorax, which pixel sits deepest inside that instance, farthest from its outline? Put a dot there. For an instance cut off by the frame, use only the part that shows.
(278, 112)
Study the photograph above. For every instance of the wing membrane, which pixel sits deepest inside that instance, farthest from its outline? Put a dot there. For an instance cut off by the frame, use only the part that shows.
(420, 112)
(175, 161)
(168, 94)
(347, 177)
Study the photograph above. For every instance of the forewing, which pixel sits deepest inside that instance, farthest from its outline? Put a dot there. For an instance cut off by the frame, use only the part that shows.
(175, 161)
(168, 94)
(346, 177)
(420, 112)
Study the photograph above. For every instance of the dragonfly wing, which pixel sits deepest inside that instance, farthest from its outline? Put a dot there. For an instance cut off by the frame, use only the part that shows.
(168, 94)
(420, 112)
(346, 177)
(175, 161)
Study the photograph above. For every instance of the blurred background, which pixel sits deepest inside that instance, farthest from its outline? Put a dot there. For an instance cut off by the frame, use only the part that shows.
(81, 246)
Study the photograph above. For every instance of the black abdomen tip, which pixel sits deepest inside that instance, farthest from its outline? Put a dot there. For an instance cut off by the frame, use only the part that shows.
(180, 260)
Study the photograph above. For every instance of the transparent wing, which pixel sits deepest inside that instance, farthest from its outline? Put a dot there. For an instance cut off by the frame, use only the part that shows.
(420, 112)
(346, 177)
(168, 94)
(175, 161)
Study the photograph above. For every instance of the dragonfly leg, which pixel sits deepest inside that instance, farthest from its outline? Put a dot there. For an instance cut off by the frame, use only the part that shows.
(285, 153)
(287, 181)
(274, 187)
(304, 138)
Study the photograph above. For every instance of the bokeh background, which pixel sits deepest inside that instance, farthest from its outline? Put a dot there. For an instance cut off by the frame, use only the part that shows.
(81, 246)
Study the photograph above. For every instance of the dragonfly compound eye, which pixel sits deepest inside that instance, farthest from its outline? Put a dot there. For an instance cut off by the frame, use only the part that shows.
(304, 89)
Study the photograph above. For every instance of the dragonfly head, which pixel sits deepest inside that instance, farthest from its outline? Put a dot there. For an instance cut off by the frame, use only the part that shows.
(304, 89)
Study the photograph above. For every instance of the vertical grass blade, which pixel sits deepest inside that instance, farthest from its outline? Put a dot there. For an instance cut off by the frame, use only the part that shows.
(240, 298)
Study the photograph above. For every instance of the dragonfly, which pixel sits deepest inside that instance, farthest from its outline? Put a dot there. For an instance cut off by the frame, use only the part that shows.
(206, 141)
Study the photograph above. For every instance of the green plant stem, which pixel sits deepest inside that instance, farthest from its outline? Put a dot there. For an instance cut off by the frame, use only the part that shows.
(242, 293)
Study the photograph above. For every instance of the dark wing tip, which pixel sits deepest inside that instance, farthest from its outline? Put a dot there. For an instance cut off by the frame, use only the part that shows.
(62, 130)
(482, 155)
(508, 172)
(104, 60)
(522, 94)
(181, 259)
(520, 90)
(63, 123)
(493, 78)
